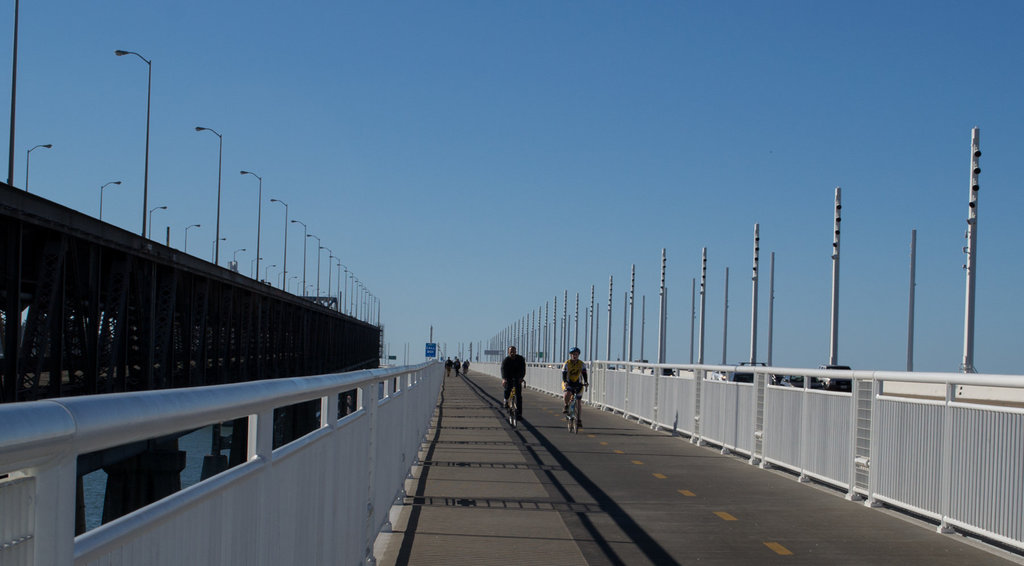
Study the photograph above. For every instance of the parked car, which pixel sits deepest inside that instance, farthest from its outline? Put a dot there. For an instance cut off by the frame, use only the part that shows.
(744, 376)
(798, 382)
(837, 383)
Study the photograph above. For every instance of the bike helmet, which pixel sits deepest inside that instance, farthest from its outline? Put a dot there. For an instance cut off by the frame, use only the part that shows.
(574, 350)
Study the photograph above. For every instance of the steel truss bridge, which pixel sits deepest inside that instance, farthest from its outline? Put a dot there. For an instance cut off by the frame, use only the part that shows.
(88, 308)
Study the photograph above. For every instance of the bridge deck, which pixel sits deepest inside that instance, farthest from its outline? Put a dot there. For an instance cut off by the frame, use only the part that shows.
(620, 493)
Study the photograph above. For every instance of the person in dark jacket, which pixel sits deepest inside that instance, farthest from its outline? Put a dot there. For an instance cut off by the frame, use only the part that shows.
(513, 371)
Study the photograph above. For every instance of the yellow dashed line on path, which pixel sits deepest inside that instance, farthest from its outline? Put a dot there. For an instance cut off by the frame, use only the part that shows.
(778, 548)
(638, 462)
(687, 493)
(591, 436)
(660, 476)
(619, 452)
(725, 516)
(604, 443)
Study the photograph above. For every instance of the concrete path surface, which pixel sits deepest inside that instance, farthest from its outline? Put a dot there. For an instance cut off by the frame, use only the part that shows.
(621, 493)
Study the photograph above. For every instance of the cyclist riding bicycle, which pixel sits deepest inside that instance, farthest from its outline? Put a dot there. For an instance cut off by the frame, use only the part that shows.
(513, 370)
(574, 377)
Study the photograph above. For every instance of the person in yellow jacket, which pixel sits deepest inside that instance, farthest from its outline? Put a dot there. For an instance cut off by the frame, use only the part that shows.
(574, 377)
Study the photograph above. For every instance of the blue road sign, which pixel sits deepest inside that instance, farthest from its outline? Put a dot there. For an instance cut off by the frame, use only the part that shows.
(431, 350)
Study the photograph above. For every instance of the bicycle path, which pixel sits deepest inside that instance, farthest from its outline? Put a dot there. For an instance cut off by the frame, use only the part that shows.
(619, 493)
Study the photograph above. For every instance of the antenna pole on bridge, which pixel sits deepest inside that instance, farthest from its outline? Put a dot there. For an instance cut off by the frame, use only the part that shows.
(971, 249)
(725, 318)
(608, 347)
(703, 297)
(910, 315)
(833, 353)
(753, 301)
(662, 314)
(771, 305)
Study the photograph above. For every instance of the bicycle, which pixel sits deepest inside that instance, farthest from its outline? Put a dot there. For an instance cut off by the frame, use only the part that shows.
(574, 410)
(513, 408)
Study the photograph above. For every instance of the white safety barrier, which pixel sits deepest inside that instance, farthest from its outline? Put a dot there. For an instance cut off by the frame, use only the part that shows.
(953, 457)
(320, 499)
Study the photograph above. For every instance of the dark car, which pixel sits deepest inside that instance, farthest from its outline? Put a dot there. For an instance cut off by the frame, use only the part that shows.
(837, 383)
(744, 376)
(798, 382)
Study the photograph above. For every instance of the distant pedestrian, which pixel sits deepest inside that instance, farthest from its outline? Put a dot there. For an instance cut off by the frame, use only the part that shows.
(456, 364)
(465, 368)
(513, 371)
(448, 367)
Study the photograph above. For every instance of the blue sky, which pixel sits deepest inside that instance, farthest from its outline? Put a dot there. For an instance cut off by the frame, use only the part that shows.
(469, 161)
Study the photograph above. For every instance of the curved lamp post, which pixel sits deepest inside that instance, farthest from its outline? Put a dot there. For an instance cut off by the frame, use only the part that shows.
(220, 154)
(234, 257)
(284, 263)
(320, 247)
(305, 236)
(101, 195)
(186, 235)
(151, 219)
(149, 92)
(259, 214)
(27, 154)
(266, 272)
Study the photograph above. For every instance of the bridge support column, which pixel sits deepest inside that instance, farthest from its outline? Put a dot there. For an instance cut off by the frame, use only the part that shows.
(143, 479)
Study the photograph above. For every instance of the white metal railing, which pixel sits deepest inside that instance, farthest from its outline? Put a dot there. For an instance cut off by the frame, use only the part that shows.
(935, 444)
(320, 499)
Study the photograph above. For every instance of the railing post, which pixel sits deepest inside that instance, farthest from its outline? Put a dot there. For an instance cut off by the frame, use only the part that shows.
(372, 401)
(698, 406)
(851, 494)
(54, 526)
(760, 390)
(946, 479)
(876, 390)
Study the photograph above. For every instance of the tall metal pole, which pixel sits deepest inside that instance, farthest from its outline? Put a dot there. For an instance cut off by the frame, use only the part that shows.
(565, 322)
(149, 92)
(305, 236)
(972, 253)
(703, 300)
(14, 96)
(725, 317)
(833, 353)
(554, 331)
(593, 329)
(285, 262)
(910, 314)
(576, 335)
(625, 324)
(771, 305)
(608, 347)
(662, 314)
(643, 324)
(220, 154)
(753, 301)
(259, 220)
(632, 296)
(693, 314)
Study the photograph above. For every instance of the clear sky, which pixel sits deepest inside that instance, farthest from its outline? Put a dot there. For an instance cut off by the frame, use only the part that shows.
(469, 161)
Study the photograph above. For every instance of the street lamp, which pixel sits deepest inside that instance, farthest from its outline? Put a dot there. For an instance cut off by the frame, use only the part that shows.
(330, 264)
(101, 195)
(344, 296)
(234, 257)
(285, 262)
(213, 246)
(288, 284)
(266, 272)
(305, 236)
(149, 92)
(220, 154)
(317, 264)
(14, 92)
(27, 154)
(259, 214)
(151, 219)
(251, 272)
(186, 234)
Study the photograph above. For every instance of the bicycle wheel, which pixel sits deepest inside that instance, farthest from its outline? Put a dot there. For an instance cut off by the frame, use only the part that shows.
(513, 409)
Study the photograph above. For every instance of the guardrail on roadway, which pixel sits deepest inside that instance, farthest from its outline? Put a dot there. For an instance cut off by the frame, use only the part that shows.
(320, 499)
(949, 458)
